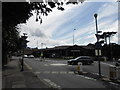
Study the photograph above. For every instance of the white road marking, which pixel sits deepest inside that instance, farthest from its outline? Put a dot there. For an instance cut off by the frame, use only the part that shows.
(58, 64)
(114, 83)
(46, 72)
(52, 84)
(37, 72)
(63, 72)
(86, 77)
(54, 72)
(108, 64)
(98, 74)
(46, 65)
(70, 72)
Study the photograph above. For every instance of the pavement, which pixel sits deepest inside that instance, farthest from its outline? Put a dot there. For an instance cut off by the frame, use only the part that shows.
(0, 80)
(13, 77)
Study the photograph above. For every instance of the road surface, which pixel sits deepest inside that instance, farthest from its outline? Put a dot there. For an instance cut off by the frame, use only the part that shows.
(57, 74)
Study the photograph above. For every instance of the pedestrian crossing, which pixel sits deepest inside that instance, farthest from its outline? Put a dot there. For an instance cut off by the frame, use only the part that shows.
(54, 72)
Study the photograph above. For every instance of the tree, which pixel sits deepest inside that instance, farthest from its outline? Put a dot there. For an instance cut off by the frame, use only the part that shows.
(14, 13)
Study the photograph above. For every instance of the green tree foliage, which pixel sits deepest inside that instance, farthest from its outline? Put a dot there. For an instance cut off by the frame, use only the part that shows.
(14, 13)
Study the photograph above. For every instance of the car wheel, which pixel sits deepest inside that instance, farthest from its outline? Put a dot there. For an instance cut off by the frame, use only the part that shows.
(89, 63)
(72, 63)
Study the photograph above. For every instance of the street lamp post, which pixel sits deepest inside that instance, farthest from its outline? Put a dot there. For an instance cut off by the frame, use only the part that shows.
(73, 36)
(98, 50)
(95, 15)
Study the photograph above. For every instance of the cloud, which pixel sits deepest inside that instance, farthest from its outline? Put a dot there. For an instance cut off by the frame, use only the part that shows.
(101, 0)
(38, 33)
(57, 28)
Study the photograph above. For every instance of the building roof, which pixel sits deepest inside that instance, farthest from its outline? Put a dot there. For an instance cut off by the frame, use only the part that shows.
(89, 47)
(61, 47)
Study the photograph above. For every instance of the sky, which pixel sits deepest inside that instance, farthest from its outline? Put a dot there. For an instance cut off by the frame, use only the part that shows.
(59, 26)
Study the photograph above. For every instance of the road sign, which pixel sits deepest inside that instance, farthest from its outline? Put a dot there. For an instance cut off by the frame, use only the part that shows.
(98, 52)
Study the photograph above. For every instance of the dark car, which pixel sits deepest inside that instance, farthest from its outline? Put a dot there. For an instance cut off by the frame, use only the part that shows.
(82, 59)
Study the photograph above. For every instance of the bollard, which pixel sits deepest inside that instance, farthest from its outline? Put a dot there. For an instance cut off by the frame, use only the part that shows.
(117, 75)
(112, 73)
(79, 67)
(105, 59)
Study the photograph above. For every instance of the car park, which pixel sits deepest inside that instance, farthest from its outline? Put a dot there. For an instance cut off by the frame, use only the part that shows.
(82, 59)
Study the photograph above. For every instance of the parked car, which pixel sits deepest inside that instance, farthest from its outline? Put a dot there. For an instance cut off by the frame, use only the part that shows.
(118, 60)
(82, 59)
(25, 56)
(31, 56)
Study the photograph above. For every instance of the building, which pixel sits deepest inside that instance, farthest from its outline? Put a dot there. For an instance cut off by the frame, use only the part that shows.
(67, 51)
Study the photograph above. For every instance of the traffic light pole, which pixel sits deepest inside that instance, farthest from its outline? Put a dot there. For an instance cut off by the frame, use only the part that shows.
(22, 62)
(23, 46)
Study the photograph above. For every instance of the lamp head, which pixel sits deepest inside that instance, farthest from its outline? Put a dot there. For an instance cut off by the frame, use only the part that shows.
(95, 15)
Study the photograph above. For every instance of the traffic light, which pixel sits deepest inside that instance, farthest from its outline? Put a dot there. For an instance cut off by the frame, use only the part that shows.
(101, 42)
(98, 36)
(23, 41)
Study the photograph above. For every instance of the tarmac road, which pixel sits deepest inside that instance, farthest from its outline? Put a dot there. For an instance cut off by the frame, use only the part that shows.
(57, 74)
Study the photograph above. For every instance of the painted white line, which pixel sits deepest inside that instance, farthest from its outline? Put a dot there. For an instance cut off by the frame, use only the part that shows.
(52, 84)
(30, 68)
(54, 72)
(98, 74)
(86, 77)
(58, 64)
(46, 65)
(70, 72)
(114, 83)
(63, 72)
(108, 64)
(46, 72)
(37, 72)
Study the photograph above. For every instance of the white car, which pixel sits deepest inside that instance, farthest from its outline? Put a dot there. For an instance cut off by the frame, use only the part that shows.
(25, 56)
(31, 56)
